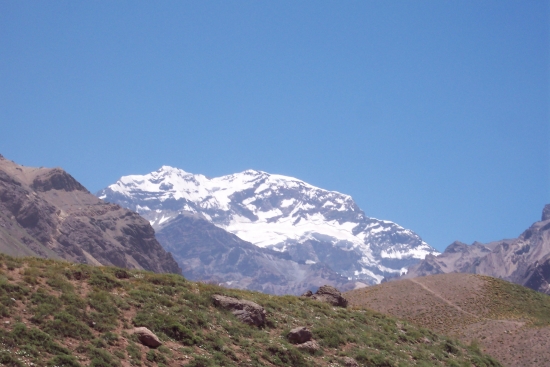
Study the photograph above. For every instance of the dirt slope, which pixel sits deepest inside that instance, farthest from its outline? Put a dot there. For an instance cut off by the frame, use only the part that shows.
(510, 322)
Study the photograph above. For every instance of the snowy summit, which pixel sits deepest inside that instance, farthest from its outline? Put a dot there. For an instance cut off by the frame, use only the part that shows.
(280, 213)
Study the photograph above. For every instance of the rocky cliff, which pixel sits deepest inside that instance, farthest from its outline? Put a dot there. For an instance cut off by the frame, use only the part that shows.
(47, 213)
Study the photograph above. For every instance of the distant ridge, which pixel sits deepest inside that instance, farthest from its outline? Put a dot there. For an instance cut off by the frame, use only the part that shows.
(524, 260)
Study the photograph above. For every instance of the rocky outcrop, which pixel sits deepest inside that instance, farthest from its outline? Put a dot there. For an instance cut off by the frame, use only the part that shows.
(246, 311)
(546, 213)
(329, 295)
(47, 213)
(524, 260)
(147, 337)
(299, 335)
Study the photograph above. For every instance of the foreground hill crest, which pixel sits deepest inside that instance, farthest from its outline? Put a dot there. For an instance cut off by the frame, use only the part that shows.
(54, 313)
(276, 212)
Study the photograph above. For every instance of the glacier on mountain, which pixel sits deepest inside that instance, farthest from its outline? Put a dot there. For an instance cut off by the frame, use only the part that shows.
(280, 213)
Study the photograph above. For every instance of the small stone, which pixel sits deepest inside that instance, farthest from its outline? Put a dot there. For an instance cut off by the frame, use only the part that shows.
(147, 337)
(350, 362)
(299, 335)
(311, 346)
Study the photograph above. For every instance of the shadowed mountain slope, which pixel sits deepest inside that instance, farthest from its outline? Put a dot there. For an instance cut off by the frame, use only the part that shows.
(47, 213)
(208, 253)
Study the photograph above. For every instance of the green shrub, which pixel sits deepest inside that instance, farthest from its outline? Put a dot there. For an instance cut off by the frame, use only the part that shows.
(284, 356)
(60, 284)
(329, 336)
(7, 359)
(66, 325)
(102, 358)
(134, 352)
(200, 361)
(106, 315)
(110, 338)
(63, 361)
(153, 356)
(103, 281)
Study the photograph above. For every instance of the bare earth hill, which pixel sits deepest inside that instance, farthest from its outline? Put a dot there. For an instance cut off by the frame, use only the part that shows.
(510, 322)
(46, 213)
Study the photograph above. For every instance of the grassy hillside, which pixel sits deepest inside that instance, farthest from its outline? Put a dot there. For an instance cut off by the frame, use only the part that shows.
(508, 321)
(56, 313)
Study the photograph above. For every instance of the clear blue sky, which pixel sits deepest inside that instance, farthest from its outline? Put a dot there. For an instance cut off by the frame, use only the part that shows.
(432, 114)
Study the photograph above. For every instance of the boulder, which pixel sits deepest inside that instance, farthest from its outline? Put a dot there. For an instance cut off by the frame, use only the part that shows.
(350, 362)
(246, 311)
(311, 346)
(147, 337)
(299, 335)
(328, 294)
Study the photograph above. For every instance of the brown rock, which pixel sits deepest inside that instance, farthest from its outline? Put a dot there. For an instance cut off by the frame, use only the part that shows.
(311, 346)
(350, 362)
(328, 294)
(147, 337)
(299, 335)
(47, 213)
(246, 311)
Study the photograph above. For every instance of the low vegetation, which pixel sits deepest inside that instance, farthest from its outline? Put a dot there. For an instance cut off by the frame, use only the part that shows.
(56, 313)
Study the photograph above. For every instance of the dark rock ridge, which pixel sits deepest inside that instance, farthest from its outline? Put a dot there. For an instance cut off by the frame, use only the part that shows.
(47, 213)
(208, 253)
(524, 260)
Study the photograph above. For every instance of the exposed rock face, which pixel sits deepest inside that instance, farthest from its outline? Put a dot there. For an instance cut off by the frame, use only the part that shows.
(524, 260)
(307, 223)
(147, 337)
(246, 311)
(328, 294)
(207, 252)
(299, 335)
(47, 213)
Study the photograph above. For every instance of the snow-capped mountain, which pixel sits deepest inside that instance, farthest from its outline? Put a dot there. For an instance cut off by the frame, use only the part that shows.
(279, 213)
